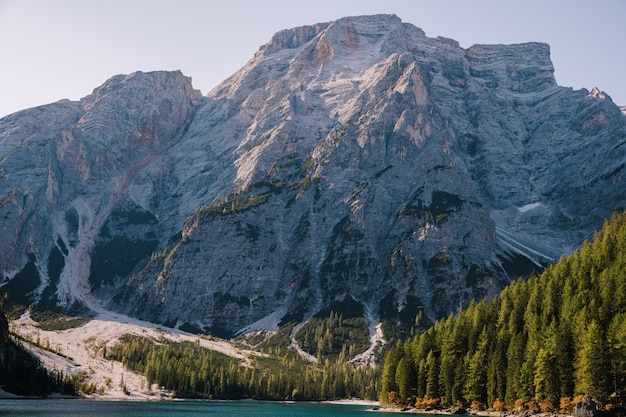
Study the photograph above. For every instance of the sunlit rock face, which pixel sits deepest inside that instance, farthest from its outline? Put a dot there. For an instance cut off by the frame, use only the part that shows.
(357, 158)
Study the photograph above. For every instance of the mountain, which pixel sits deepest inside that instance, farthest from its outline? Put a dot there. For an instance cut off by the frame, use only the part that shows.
(356, 164)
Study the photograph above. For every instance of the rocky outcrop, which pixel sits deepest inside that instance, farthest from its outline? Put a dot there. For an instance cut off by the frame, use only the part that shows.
(352, 160)
(586, 408)
(71, 170)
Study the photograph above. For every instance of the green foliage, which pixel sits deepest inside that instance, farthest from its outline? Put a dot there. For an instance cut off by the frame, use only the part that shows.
(405, 377)
(593, 363)
(542, 342)
(49, 320)
(192, 371)
(22, 374)
(431, 369)
(240, 201)
(334, 336)
(388, 381)
(71, 384)
(476, 376)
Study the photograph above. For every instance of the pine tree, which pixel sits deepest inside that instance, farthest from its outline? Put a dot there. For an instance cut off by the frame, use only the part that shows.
(432, 376)
(496, 373)
(565, 352)
(547, 378)
(476, 382)
(616, 336)
(451, 370)
(592, 365)
(392, 358)
(422, 375)
(405, 378)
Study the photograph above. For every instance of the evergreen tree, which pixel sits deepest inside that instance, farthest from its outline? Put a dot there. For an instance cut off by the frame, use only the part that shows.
(616, 336)
(547, 385)
(496, 372)
(388, 383)
(405, 378)
(592, 366)
(432, 376)
(549, 338)
(422, 375)
(564, 349)
(476, 382)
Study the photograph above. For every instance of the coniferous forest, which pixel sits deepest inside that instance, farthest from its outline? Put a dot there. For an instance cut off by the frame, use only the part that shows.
(277, 373)
(541, 345)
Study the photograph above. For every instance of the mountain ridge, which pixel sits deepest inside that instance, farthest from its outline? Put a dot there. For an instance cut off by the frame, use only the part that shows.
(357, 158)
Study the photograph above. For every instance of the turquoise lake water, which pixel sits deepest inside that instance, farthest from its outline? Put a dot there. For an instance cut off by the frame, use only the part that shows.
(80, 408)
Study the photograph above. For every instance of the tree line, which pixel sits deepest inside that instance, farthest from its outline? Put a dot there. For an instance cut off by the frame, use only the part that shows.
(192, 371)
(539, 345)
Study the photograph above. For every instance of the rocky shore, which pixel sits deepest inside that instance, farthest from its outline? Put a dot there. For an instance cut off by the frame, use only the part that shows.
(585, 408)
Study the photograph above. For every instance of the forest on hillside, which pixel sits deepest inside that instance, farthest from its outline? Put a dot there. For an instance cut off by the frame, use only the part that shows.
(277, 373)
(541, 345)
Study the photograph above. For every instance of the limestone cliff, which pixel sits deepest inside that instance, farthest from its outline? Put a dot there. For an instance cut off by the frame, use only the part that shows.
(357, 158)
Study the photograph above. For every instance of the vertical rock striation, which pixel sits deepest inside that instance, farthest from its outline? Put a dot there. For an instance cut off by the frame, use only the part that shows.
(353, 159)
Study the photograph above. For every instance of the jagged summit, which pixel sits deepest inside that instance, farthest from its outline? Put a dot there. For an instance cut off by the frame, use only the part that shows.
(354, 161)
(352, 45)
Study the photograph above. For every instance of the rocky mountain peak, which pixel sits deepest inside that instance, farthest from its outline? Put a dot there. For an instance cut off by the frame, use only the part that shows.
(521, 68)
(357, 161)
(291, 38)
(147, 103)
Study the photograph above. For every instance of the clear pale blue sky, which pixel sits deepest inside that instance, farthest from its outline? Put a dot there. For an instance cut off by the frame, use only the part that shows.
(56, 49)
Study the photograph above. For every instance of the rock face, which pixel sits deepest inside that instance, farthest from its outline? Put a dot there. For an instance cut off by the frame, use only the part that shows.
(354, 159)
(586, 408)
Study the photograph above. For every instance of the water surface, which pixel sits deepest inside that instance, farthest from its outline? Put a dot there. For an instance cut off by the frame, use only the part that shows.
(66, 408)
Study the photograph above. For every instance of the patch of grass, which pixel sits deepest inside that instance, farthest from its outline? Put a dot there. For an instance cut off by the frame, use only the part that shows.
(51, 321)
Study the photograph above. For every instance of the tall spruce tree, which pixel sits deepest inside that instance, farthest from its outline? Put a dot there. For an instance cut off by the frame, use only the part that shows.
(476, 382)
(405, 378)
(593, 364)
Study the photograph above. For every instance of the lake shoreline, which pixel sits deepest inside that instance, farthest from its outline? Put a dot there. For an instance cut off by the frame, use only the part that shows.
(5, 395)
(486, 413)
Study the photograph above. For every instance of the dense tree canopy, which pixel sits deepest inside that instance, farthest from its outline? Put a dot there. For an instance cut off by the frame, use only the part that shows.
(539, 344)
(192, 371)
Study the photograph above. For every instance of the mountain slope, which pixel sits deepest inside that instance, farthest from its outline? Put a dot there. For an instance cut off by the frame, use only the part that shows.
(356, 159)
(542, 342)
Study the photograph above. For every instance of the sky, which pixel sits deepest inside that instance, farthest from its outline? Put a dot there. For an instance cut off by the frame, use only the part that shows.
(63, 49)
